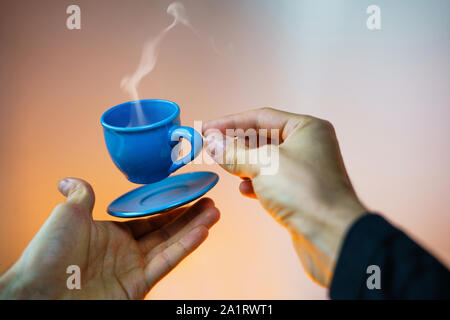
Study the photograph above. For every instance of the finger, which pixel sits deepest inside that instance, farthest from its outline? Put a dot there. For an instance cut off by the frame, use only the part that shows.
(167, 259)
(232, 154)
(264, 118)
(79, 193)
(140, 227)
(70, 219)
(198, 208)
(152, 239)
(206, 218)
(246, 188)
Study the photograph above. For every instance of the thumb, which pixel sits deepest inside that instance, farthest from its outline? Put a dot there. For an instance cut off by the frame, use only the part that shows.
(232, 154)
(79, 193)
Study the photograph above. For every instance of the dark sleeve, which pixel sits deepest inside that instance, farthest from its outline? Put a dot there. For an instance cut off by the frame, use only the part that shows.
(406, 270)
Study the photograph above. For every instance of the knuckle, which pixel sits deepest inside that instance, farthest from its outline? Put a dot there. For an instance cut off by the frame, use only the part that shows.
(73, 206)
(182, 247)
(327, 124)
(167, 261)
(321, 124)
(268, 109)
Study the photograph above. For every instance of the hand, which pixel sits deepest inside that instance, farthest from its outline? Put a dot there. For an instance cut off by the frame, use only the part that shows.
(310, 192)
(118, 260)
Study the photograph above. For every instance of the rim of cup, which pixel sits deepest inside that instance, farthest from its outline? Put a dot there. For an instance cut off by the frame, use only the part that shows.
(174, 114)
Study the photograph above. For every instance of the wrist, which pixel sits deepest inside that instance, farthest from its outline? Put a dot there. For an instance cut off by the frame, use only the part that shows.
(344, 215)
(326, 227)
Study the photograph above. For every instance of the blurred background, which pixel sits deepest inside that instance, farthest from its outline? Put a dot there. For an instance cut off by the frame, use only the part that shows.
(386, 91)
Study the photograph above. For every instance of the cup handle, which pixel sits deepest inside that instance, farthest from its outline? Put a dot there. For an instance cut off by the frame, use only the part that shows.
(195, 140)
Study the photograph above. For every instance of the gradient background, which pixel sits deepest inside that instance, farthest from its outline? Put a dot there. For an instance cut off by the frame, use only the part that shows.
(387, 93)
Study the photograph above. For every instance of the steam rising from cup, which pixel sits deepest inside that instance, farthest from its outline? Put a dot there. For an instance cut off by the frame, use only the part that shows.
(148, 61)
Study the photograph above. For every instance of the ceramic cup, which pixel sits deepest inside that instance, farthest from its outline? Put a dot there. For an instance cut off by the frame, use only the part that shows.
(148, 153)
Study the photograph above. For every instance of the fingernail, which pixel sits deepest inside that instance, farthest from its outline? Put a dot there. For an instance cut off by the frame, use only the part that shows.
(215, 145)
(64, 185)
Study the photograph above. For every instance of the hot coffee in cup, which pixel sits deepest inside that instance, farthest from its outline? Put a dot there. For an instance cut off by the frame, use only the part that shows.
(147, 153)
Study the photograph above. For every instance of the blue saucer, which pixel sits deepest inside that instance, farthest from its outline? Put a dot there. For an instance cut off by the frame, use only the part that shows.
(163, 195)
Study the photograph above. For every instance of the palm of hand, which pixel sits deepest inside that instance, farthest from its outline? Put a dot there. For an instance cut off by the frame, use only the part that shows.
(117, 260)
(114, 265)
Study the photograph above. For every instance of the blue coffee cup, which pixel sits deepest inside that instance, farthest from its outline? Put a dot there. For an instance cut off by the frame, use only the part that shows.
(148, 153)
